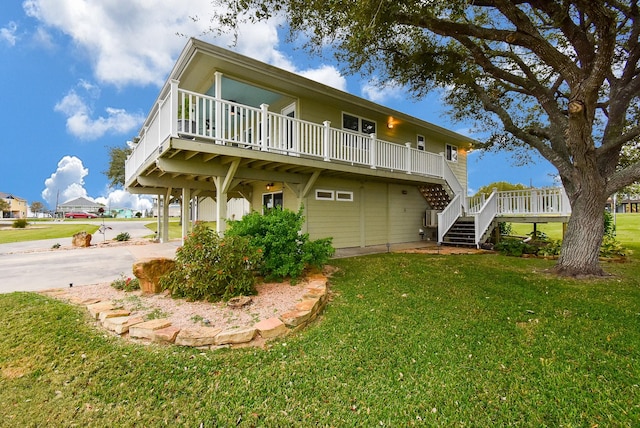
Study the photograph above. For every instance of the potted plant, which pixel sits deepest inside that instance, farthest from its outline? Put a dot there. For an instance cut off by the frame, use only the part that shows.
(185, 124)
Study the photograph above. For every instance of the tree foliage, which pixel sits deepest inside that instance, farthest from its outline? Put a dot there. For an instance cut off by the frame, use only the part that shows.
(115, 171)
(501, 186)
(36, 207)
(559, 77)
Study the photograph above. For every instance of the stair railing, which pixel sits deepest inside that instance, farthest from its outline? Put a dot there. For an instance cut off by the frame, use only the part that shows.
(485, 215)
(448, 216)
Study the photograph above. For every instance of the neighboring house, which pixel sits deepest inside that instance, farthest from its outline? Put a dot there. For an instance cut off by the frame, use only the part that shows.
(79, 204)
(625, 204)
(226, 126)
(17, 206)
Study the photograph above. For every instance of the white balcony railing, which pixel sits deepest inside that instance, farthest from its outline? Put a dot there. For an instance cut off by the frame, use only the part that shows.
(192, 115)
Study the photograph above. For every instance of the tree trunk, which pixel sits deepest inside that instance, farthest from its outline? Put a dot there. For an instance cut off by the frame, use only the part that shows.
(580, 251)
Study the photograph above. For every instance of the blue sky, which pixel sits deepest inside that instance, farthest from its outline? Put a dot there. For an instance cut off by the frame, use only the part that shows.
(79, 77)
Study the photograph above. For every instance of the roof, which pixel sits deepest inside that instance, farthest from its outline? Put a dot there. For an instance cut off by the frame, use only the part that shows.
(4, 195)
(80, 202)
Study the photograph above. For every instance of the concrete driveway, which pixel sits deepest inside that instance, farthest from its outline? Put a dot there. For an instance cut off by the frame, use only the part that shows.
(34, 265)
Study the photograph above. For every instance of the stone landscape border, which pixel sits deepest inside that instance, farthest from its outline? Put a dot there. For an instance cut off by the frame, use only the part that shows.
(113, 317)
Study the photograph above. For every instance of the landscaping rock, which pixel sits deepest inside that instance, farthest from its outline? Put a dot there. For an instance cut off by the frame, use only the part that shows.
(81, 239)
(121, 325)
(271, 327)
(235, 336)
(146, 330)
(238, 302)
(197, 336)
(295, 318)
(149, 272)
(113, 313)
(96, 308)
(167, 334)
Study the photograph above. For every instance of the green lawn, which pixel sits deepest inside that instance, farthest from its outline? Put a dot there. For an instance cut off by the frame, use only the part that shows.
(407, 340)
(37, 231)
(627, 228)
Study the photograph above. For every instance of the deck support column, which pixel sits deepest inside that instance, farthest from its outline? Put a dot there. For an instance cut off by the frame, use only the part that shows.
(165, 216)
(186, 199)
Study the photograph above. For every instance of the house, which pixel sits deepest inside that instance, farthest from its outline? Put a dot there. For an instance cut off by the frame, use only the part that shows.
(79, 204)
(225, 126)
(17, 206)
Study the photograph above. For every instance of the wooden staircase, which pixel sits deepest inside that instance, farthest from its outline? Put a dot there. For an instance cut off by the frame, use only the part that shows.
(435, 195)
(462, 233)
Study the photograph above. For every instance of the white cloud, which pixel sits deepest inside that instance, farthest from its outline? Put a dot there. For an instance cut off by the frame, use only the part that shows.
(328, 75)
(136, 43)
(66, 183)
(122, 199)
(379, 92)
(80, 120)
(8, 33)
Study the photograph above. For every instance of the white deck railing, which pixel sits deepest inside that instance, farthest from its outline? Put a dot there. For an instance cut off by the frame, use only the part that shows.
(192, 115)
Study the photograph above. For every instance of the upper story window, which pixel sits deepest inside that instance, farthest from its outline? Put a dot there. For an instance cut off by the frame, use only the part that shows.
(358, 124)
(451, 153)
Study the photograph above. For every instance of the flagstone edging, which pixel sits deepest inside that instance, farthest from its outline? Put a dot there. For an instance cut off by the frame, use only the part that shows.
(114, 318)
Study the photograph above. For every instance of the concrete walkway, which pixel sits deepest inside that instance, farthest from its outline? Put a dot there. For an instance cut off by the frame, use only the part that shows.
(35, 265)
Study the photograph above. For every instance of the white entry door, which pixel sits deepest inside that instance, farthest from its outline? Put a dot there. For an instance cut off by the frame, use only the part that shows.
(290, 130)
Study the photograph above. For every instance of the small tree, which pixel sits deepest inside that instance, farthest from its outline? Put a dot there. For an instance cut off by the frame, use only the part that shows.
(287, 252)
(209, 267)
(117, 158)
(4, 206)
(36, 207)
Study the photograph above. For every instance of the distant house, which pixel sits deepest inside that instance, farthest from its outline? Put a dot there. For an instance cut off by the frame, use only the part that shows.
(17, 206)
(79, 204)
(225, 126)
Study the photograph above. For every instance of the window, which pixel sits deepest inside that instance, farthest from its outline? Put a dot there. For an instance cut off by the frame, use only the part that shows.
(324, 195)
(420, 142)
(271, 200)
(451, 153)
(344, 196)
(358, 124)
(331, 195)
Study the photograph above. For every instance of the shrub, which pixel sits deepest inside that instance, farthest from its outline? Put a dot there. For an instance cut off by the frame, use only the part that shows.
(514, 247)
(124, 236)
(209, 267)
(126, 284)
(287, 252)
(505, 228)
(611, 247)
(551, 248)
(20, 223)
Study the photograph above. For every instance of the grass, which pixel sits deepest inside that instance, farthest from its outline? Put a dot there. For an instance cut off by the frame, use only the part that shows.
(407, 340)
(45, 231)
(627, 227)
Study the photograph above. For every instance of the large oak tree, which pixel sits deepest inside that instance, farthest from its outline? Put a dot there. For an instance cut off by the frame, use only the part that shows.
(559, 77)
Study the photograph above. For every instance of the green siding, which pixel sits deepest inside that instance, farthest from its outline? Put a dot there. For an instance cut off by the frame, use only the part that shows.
(406, 212)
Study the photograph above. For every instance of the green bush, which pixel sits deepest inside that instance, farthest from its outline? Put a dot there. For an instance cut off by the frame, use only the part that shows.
(611, 247)
(514, 247)
(124, 236)
(126, 284)
(20, 223)
(505, 228)
(551, 248)
(287, 252)
(209, 267)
